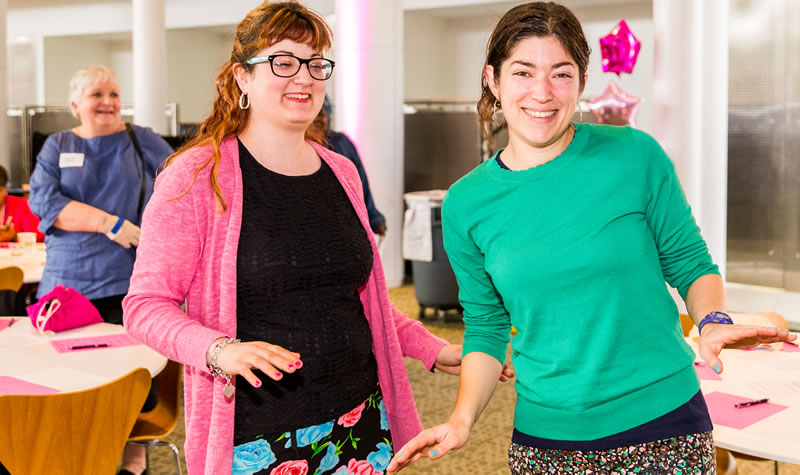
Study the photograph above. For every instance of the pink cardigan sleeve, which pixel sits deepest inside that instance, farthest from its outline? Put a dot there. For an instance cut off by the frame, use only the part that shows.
(417, 342)
(167, 260)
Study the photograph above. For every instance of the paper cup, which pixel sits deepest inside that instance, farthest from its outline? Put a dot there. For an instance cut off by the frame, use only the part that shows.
(28, 241)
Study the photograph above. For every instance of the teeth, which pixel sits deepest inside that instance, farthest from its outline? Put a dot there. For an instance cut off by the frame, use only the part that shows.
(540, 114)
(298, 96)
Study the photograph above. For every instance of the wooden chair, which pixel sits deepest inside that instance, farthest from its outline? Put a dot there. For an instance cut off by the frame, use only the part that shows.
(77, 432)
(686, 324)
(11, 278)
(153, 426)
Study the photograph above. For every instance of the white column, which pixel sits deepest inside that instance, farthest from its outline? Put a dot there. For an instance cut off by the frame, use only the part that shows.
(690, 101)
(369, 106)
(5, 156)
(149, 64)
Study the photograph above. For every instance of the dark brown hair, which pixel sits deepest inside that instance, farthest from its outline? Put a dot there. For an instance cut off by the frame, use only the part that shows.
(263, 26)
(537, 19)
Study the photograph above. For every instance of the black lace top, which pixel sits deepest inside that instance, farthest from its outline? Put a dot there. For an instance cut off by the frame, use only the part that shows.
(302, 257)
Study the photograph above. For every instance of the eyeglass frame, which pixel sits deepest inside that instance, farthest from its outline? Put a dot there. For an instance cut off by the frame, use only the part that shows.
(268, 59)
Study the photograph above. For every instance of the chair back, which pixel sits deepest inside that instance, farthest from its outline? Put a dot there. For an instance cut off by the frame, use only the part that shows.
(686, 324)
(77, 432)
(11, 278)
(161, 421)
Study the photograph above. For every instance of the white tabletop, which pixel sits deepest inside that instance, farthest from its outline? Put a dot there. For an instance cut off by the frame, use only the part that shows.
(31, 262)
(758, 374)
(26, 355)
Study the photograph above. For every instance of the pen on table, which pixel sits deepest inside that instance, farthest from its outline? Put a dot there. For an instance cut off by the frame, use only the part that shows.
(11, 322)
(751, 403)
(82, 347)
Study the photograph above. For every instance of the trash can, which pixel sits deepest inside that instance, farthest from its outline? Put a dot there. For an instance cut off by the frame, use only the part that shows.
(434, 282)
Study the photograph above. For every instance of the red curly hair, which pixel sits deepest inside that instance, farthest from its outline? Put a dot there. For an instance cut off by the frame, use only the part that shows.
(263, 26)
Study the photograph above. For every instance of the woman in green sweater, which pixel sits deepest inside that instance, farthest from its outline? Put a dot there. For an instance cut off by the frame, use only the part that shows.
(569, 234)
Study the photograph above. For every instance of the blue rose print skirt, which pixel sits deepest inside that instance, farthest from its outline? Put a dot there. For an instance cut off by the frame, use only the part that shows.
(358, 442)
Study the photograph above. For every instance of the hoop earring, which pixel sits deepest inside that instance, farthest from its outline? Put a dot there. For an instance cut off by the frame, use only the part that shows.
(580, 115)
(242, 105)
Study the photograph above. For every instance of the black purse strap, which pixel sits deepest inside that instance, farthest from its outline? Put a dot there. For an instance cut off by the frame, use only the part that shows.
(138, 148)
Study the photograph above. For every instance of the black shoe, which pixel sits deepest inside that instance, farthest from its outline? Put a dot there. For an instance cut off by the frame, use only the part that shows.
(127, 472)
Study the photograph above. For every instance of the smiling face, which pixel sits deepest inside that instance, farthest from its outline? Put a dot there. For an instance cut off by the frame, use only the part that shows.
(288, 103)
(538, 88)
(98, 107)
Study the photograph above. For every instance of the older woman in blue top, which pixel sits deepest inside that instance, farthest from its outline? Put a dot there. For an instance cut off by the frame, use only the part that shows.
(88, 188)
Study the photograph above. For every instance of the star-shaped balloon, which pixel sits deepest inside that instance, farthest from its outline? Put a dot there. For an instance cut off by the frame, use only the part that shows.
(614, 106)
(619, 49)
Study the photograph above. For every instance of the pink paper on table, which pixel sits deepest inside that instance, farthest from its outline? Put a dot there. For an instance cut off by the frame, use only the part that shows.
(109, 341)
(723, 412)
(5, 323)
(10, 385)
(704, 372)
(790, 347)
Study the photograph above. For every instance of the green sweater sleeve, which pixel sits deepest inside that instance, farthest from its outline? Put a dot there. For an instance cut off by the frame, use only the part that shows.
(682, 251)
(487, 327)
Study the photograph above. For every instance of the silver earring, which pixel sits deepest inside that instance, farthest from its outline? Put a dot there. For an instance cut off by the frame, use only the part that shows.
(242, 105)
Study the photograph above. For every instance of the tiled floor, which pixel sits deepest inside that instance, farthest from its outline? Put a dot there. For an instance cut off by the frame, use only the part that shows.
(435, 394)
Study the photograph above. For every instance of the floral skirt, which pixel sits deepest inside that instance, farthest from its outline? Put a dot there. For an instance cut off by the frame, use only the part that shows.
(358, 442)
(688, 454)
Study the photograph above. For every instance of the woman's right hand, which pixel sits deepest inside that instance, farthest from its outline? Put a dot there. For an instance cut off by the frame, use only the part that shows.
(243, 358)
(433, 443)
(126, 235)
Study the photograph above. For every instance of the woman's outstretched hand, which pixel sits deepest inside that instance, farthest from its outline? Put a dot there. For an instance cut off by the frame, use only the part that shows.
(717, 336)
(432, 443)
(243, 358)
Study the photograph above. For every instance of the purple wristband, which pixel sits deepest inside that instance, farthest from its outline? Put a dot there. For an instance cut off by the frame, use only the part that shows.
(714, 317)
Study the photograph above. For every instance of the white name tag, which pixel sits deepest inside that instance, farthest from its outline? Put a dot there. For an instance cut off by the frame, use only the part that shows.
(66, 160)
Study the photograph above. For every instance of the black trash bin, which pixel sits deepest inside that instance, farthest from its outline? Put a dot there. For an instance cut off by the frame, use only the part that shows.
(434, 282)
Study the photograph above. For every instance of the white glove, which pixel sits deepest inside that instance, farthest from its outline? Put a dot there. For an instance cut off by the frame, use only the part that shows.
(126, 234)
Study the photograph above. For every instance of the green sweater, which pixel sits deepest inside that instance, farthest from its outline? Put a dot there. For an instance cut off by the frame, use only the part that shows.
(574, 254)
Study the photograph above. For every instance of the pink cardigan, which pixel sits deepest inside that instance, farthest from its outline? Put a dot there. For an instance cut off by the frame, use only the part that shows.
(188, 252)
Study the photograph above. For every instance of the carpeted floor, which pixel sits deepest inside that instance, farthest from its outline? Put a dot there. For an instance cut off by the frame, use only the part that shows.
(485, 453)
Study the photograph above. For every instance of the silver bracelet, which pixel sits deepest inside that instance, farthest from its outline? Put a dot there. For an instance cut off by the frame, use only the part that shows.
(216, 370)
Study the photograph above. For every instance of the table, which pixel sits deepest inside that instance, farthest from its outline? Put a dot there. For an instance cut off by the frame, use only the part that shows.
(756, 374)
(38, 362)
(31, 263)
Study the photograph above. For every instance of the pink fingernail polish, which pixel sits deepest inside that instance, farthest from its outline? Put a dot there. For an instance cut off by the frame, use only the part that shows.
(298, 364)
(290, 366)
(278, 375)
(258, 384)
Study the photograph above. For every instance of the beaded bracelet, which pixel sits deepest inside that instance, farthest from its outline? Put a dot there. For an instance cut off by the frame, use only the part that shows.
(216, 370)
(714, 317)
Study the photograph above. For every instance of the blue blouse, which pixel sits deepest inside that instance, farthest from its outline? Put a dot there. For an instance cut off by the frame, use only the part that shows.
(104, 172)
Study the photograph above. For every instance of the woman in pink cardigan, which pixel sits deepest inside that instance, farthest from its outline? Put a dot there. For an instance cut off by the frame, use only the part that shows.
(293, 352)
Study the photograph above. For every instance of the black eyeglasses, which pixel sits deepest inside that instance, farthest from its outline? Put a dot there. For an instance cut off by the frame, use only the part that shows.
(287, 65)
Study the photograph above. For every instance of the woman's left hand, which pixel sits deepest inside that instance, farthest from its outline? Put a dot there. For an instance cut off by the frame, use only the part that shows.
(449, 361)
(717, 336)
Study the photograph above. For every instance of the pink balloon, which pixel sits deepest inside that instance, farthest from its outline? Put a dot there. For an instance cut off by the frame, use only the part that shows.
(619, 49)
(614, 106)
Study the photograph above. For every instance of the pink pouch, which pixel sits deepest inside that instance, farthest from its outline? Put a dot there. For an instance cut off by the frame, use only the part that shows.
(61, 309)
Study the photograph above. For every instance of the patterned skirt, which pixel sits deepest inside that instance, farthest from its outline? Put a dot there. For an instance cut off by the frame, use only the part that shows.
(688, 454)
(357, 442)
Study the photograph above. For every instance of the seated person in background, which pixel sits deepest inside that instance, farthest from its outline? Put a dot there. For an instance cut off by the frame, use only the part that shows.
(15, 214)
(340, 143)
